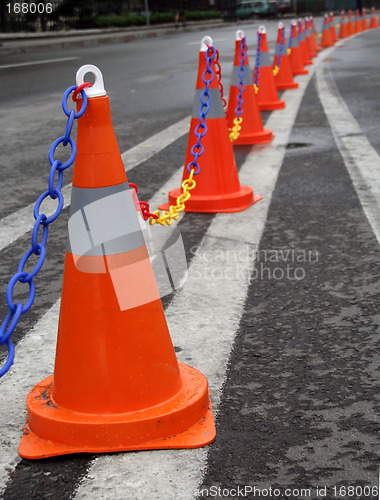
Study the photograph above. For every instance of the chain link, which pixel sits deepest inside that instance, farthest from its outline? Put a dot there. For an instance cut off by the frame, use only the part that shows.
(218, 72)
(235, 130)
(167, 217)
(258, 62)
(276, 69)
(144, 206)
(16, 309)
(292, 27)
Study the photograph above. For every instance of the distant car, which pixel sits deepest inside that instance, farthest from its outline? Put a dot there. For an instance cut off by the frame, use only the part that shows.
(281, 8)
(255, 8)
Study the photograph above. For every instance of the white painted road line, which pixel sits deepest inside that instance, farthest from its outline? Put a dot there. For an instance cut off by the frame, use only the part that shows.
(36, 349)
(205, 334)
(18, 223)
(33, 63)
(360, 158)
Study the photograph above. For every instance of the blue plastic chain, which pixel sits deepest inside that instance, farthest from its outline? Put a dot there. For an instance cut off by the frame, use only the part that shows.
(201, 128)
(41, 223)
(242, 73)
(281, 47)
(258, 59)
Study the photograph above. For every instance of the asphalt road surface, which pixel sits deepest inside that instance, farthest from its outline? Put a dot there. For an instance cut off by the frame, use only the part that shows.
(280, 306)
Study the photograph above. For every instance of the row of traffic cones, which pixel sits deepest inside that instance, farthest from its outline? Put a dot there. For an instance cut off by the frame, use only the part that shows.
(117, 384)
(348, 26)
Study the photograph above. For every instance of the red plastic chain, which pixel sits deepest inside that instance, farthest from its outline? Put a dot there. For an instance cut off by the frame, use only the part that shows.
(218, 72)
(144, 205)
(145, 211)
(79, 89)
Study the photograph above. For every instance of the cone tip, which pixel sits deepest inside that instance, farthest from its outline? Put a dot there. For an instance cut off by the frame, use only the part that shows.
(262, 29)
(240, 35)
(206, 40)
(280, 25)
(97, 89)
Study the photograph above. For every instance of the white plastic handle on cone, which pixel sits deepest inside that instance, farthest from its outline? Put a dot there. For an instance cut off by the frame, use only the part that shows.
(239, 35)
(97, 88)
(262, 29)
(206, 40)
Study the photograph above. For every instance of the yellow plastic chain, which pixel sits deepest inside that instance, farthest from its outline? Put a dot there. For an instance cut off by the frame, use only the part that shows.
(276, 69)
(235, 130)
(174, 210)
(255, 88)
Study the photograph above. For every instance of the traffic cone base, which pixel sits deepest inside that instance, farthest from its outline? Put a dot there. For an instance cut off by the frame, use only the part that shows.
(300, 72)
(287, 86)
(249, 135)
(272, 105)
(225, 203)
(264, 137)
(180, 422)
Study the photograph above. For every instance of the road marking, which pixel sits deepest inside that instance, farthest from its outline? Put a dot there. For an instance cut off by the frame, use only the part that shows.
(18, 223)
(32, 63)
(360, 158)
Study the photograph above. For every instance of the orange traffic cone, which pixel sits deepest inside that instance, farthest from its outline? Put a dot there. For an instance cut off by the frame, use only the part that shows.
(373, 23)
(252, 131)
(267, 95)
(316, 47)
(283, 76)
(364, 20)
(309, 42)
(295, 56)
(217, 182)
(334, 38)
(117, 384)
(326, 33)
(301, 37)
(351, 25)
(358, 22)
(343, 29)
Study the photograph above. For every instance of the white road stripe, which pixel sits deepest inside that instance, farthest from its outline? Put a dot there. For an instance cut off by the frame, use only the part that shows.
(33, 63)
(17, 224)
(36, 349)
(360, 158)
(205, 333)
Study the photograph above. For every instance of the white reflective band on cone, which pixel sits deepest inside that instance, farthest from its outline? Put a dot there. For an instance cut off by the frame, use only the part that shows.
(103, 221)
